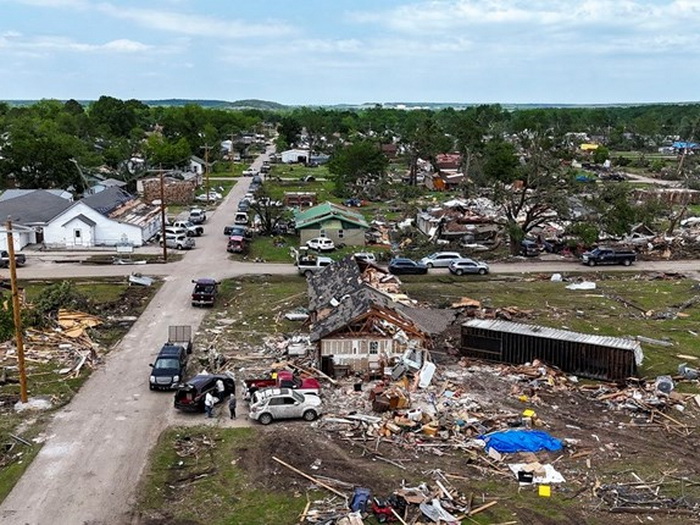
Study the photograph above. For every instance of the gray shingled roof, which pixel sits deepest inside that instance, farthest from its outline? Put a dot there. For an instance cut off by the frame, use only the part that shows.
(342, 281)
(107, 200)
(36, 207)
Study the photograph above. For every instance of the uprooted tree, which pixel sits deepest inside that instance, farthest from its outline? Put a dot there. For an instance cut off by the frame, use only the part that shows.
(530, 187)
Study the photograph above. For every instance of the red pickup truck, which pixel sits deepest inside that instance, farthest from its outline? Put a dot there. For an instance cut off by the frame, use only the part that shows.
(283, 379)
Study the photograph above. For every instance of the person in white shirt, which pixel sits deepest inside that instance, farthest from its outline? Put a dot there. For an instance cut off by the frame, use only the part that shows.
(209, 402)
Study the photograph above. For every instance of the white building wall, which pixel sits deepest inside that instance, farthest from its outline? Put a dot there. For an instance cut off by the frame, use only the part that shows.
(21, 239)
(292, 155)
(106, 232)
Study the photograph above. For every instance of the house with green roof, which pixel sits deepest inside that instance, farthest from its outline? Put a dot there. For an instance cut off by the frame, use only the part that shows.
(338, 223)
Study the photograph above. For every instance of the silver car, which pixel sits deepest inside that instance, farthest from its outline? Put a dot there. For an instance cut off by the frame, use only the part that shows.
(178, 242)
(463, 266)
(283, 403)
(441, 259)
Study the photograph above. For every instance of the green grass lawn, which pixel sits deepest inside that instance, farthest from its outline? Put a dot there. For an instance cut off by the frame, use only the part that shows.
(591, 312)
(222, 495)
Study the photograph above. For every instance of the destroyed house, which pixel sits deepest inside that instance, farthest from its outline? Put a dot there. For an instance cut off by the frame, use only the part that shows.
(359, 328)
(592, 356)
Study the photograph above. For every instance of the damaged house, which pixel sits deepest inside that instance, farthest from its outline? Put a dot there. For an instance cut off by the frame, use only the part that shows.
(361, 322)
(473, 221)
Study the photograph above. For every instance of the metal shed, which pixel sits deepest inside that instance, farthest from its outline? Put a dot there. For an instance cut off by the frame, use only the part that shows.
(594, 356)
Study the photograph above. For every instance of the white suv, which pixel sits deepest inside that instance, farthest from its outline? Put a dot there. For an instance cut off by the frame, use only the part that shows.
(441, 259)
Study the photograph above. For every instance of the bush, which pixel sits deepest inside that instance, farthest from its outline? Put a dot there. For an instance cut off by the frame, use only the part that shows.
(55, 296)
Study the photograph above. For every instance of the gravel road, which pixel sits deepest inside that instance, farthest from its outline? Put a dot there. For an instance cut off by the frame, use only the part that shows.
(97, 446)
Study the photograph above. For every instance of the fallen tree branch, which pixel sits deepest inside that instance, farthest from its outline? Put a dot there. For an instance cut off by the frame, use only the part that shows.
(310, 478)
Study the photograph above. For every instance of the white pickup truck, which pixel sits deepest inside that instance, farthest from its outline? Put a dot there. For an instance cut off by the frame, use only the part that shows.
(308, 264)
(193, 230)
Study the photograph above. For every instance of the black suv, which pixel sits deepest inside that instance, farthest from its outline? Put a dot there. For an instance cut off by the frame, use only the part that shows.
(168, 370)
(205, 291)
(190, 396)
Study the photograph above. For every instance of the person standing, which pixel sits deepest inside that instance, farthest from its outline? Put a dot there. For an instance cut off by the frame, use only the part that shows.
(209, 402)
(232, 405)
(220, 389)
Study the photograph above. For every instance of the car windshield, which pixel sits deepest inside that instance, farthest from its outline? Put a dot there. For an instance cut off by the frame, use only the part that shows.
(204, 288)
(166, 364)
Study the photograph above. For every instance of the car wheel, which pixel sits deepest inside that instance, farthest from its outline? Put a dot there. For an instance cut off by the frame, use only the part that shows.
(482, 271)
(265, 419)
(626, 262)
(591, 262)
(430, 266)
(459, 272)
(179, 246)
(308, 273)
(309, 415)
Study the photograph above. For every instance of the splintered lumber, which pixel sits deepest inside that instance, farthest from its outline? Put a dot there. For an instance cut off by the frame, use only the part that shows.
(482, 508)
(310, 478)
(313, 371)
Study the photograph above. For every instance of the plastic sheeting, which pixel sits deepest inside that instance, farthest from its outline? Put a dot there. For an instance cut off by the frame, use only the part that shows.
(511, 441)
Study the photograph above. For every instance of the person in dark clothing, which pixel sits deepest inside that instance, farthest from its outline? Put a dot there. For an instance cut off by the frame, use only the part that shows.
(232, 405)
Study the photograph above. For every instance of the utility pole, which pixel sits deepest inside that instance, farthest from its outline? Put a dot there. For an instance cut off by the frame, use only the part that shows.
(206, 169)
(16, 313)
(233, 169)
(162, 217)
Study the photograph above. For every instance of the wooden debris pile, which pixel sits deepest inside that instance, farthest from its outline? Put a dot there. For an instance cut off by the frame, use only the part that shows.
(68, 344)
(475, 309)
(663, 496)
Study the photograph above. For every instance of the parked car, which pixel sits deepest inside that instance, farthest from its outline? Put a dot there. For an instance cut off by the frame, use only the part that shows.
(308, 263)
(608, 256)
(238, 229)
(282, 379)
(20, 259)
(237, 244)
(284, 403)
(530, 248)
(190, 396)
(178, 242)
(365, 256)
(243, 205)
(211, 196)
(441, 259)
(197, 216)
(321, 244)
(240, 218)
(250, 172)
(205, 291)
(193, 230)
(168, 369)
(403, 266)
(462, 266)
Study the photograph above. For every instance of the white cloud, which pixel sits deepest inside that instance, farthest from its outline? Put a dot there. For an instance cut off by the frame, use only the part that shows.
(195, 25)
(42, 45)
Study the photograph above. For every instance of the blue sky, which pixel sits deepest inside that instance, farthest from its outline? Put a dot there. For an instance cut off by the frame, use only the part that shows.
(353, 51)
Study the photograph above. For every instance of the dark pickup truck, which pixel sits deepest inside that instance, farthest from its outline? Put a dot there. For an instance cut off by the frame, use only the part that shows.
(168, 369)
(608, 256)
(20, 259)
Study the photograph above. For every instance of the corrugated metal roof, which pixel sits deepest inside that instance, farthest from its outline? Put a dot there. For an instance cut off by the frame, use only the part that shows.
(554, 333)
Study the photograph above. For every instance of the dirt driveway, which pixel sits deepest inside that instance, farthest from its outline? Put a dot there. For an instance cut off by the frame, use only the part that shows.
(96, 448)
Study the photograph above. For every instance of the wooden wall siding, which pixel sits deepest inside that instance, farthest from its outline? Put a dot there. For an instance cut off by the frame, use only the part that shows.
(582, 359)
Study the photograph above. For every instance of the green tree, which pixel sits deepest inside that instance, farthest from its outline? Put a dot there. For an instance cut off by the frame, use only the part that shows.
(356, 166)
(289, 129)
(601, 154)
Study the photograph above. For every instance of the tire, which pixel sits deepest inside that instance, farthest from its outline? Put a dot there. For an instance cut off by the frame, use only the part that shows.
(310, 415)
(482, 271)
(308, 273)
(591, 262)
(430, 266)
(626, 262)
(459, 272)
(179, 246)
(265, 419)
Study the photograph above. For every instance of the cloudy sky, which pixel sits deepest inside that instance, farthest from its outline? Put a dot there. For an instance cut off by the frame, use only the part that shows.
(353, 51)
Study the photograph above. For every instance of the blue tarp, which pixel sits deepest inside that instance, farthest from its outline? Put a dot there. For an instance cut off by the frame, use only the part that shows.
(509, 441)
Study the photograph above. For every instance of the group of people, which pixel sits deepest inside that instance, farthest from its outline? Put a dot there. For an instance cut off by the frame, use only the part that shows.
(212, 398)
